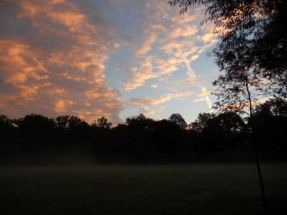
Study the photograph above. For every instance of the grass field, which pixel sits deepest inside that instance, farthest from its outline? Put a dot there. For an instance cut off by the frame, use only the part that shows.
(178, 189)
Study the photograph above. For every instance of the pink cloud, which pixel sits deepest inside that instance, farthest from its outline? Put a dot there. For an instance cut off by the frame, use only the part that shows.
(60, 107)
(176, 36)
(58, 67)
(156, 101)
(147, 44)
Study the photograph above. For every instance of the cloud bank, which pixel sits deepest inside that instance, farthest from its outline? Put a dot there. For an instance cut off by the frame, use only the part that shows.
(82, 58)
(52, 60)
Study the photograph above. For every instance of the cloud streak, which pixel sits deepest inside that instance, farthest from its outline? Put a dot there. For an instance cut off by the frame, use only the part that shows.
(175, 43)
(191, 74)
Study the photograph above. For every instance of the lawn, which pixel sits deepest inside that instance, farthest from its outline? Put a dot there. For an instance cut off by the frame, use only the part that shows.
(167, 189)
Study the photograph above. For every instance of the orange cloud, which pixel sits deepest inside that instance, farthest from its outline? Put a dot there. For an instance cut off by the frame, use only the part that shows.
(171, 53)
(60, 107)
(147, 44)
(55, 66)
(156, 101)
(16, 78)
(183, 32)
(19, 62)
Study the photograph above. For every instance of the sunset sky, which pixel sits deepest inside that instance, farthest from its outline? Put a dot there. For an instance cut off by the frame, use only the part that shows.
(111, 58)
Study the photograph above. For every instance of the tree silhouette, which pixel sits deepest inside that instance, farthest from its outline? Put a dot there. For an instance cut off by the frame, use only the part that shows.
(35, 132)
(270, 124)
(78, 129)
(178, 119)
(8, 142)
(140, 123)
(139, 132)
(62, 122)
(215, 133)
(101, 122)
(235, 93)
(201, 121)
(6, 126)
(71, 130)
(71, 124)
(275, 107)
(228, 127)
(167, 136)
(244, 28)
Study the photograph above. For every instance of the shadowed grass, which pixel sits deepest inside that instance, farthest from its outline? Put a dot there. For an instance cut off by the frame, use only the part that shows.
(178, 189)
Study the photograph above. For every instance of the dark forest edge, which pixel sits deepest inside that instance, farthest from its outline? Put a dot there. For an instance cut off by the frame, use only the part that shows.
(68, 140)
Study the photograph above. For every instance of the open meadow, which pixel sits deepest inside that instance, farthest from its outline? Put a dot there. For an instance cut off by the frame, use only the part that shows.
(163, 189)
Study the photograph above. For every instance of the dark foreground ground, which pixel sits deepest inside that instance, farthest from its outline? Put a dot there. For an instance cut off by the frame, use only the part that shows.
(166, 189)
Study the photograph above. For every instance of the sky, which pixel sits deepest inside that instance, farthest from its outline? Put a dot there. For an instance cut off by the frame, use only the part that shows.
(110, 58)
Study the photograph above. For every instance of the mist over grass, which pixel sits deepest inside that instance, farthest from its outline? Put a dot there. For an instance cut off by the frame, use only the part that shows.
(145, 189)
(185, 157)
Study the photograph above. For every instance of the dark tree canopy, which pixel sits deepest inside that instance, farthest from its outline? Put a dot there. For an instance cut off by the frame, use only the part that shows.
(270, 122)
(201, 121)
(217, 132)
(139, 122)
(36, 131)
(178, 120)
(235, 92)
(102, 122)
(275, 107)
(67, 140)
(7, 129)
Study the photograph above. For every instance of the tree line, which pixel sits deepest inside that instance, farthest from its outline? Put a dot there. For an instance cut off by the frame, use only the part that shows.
(36, 139)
